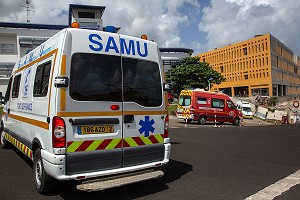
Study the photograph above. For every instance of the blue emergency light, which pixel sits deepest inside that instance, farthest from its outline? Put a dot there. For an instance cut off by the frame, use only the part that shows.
(111, 29)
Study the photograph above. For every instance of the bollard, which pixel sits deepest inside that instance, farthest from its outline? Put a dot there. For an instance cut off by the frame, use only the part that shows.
(215, 121)
(275, 121)
(259, 122)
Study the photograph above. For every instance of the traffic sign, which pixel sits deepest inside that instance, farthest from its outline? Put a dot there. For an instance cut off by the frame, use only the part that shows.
(296, 104)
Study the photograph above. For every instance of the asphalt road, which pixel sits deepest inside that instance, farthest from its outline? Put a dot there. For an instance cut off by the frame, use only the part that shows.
(206, 163)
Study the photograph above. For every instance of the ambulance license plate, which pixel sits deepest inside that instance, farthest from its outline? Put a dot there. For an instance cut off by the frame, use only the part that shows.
(95, 129)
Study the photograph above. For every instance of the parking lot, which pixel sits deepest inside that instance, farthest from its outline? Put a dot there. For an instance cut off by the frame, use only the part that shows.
(206, 163)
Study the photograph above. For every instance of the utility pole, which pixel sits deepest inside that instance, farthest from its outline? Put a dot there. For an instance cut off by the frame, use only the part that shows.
(28, 9)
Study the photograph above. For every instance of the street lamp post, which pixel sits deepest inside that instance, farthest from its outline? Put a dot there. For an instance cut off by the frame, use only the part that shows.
(209, 80)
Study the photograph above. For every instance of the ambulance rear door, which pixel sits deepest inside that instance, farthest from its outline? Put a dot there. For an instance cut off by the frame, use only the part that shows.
(91, 106)
(143, 103)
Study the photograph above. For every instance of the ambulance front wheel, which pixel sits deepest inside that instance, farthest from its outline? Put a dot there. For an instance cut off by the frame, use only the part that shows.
(4, 143)
(236, 121)
(202, 120)
(43, 182)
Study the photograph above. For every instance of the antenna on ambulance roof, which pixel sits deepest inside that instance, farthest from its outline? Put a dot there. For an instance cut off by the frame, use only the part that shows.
(28, 9)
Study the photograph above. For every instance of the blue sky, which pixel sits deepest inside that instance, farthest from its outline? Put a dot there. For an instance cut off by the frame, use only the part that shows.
(201, 25)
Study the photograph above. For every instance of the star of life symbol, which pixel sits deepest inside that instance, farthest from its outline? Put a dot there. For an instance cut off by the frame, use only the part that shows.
(146, 126)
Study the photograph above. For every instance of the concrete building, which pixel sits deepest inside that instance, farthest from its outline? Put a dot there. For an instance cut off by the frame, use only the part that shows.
(172, 56)
(17, 39)
(259, 66)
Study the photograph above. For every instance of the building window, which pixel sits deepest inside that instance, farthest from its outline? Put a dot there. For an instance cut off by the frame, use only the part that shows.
(7, 48)
(89, 15)
(245, 50)
(221, 69)
(295, 70)
(246, 76)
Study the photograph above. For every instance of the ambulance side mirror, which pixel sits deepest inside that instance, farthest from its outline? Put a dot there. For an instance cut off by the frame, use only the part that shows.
(61, 81)
(167, 86)
(1, 98)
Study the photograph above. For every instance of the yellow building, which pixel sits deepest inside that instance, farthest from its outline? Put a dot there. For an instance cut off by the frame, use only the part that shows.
(259, 66)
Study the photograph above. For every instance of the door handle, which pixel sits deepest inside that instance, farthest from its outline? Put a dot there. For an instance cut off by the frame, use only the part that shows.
(128, 118)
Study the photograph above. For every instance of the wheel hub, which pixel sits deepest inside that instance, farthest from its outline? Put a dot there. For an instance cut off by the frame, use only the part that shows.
(2, 137)
(38, 173)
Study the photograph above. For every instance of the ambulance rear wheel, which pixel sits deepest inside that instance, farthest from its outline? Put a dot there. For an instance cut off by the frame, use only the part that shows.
(43, 182)
(202, 120)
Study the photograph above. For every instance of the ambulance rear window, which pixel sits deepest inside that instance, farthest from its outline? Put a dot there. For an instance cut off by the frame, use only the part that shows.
(142, 83)
(96, 77)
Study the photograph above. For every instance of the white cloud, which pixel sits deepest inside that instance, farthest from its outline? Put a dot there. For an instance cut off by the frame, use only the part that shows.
(230, 21)
(159, 19)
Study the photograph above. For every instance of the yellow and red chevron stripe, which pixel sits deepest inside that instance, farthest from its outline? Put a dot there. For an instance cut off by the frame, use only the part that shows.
(95, 145)
(19, 145)
(186, 93)
(140, 141)
(92, 145)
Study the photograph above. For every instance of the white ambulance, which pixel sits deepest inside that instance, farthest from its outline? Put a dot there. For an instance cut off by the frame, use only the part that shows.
(245, 108)
(87, 104)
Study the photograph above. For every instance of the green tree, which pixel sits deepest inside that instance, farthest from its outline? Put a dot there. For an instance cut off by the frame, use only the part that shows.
(192, 73)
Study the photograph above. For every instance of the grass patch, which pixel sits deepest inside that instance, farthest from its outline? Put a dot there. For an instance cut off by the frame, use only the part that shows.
(172, 109)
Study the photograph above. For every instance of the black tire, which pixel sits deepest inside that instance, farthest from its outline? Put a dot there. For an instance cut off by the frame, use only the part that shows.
(3, 142)
(187, 121)
(202, 120)
(236, 121)
(44, 183)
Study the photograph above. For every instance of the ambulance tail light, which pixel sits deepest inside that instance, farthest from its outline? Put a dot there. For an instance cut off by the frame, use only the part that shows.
(58, 133)
(166, 129)
(191, 109)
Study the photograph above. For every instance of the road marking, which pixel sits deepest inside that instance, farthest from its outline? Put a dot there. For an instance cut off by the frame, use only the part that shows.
(277, 188)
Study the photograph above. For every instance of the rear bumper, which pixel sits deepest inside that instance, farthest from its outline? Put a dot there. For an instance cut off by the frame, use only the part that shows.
(55, 166)
(117, 181)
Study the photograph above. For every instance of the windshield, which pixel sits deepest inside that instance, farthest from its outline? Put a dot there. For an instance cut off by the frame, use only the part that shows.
(185, 100)
(96, 77)
(246, 109)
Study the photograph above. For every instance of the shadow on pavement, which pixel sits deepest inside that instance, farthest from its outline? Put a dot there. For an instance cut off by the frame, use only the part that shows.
(174, 170)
